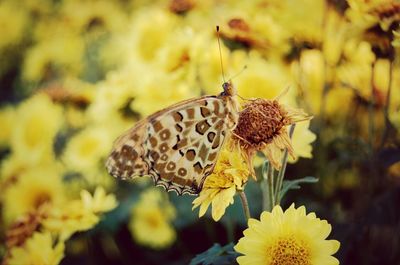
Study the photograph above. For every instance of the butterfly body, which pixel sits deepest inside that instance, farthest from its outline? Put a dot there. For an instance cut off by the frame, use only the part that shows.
(178, 146)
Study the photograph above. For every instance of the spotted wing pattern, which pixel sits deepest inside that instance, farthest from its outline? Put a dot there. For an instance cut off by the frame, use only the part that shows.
(178, 146)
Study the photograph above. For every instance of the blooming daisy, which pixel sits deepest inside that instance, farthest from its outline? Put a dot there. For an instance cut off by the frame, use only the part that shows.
(287, 238)
(230, 175)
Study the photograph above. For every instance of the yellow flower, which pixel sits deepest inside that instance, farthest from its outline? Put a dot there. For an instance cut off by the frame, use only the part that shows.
(40, 249)
(286, 238)
(13, 20)
(230, 174)
(7, 117)
(335, 33)
(302, 139)
(99, 202)
(159, 91)
(261, 79)
(33, 135)
(79, 215)
(310, 73)
(112, 98)
(365, 14)
(84, 151)
(356, 70)
(150, 221)
(289, 13)
(103, 14)
(147, 39)
(58, 54)
(34, 188)
(262, 127)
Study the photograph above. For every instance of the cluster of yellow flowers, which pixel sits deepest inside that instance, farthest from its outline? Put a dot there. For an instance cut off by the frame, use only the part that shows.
(87, 76)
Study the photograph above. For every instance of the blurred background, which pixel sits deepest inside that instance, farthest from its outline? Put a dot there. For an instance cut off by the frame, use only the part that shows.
(75, 74)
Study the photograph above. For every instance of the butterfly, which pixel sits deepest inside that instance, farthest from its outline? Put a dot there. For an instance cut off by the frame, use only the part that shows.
(177, 146)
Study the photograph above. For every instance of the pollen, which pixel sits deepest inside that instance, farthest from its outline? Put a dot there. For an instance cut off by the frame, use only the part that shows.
(259, 122)
(289, 251)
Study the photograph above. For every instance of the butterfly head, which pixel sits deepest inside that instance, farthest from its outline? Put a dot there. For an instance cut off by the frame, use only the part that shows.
(229, 89)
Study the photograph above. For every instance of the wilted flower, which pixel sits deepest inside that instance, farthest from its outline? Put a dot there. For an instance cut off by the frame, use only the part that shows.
(262, 127)
(230, 174)
(285, 238)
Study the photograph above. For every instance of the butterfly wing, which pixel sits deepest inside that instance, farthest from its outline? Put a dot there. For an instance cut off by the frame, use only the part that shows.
(178, 146)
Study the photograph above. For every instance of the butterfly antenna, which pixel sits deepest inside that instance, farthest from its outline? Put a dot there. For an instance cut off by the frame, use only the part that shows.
(283, 93)
(238, 73)
(220, 55)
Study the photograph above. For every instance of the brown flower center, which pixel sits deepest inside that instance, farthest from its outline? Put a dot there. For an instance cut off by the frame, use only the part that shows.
(260, 121)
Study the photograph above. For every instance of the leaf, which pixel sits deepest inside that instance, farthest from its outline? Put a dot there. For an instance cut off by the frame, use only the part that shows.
(216, 255)
(295, 184)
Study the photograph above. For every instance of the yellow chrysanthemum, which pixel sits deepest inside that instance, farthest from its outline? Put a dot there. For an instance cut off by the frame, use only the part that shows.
(146, 38)
(356, 71)
(79, 215)
(85, 149)
(364, 14)
(310, 73)
(39, 249)
(34, 188)
(112, 98)
(262, 79)
(335, 34)
(106, 15)
(230, 174)
(60, 54)
(287, 238)
(302, 139)
(33, 135)
(159, 91)
(13, 20)
(99, 202)
(289, 13)
(151, 218)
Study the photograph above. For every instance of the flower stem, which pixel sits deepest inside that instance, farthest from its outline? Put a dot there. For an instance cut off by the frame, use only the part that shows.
(270, 179)
(281, 173)
(245, 204)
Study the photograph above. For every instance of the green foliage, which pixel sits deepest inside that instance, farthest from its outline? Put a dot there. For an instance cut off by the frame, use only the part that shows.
(295, 184)
(216, 255)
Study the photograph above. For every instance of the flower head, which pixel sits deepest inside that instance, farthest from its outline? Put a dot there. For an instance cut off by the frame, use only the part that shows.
(39, 120)
(150, 222)
(79, 215)
(262, 127)
(230, 174)
(289, 237)
(39, 249)
(34, 188)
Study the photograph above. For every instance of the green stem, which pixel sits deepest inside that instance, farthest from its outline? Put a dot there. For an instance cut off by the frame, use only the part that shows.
(270, 179)
(245, 204)
(281, 173)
